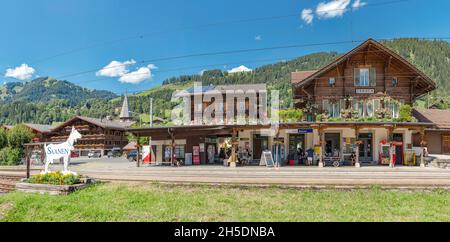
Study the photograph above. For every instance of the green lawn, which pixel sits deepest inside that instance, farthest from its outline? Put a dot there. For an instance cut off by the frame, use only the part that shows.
(158, 202)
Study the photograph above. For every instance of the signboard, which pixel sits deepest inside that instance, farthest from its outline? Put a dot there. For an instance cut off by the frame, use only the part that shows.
(202, 147)
(267, 159)
(317, 150)
(304, 131)
(365, 91)
(146, 154)
(188, 159)
(196, 155)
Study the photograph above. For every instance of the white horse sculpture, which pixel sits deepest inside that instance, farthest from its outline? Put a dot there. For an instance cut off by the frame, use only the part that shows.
(63, 150)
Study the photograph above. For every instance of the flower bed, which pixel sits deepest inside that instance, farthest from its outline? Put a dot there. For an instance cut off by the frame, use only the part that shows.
(55, 178)
(54, 183)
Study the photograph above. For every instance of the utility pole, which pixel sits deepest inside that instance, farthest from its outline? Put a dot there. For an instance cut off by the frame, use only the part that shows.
(151, 112)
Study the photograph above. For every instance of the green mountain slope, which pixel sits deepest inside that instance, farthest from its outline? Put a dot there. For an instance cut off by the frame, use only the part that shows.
(46, 89)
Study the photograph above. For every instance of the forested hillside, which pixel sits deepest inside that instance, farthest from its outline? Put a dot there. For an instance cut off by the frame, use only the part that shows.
(24, 103)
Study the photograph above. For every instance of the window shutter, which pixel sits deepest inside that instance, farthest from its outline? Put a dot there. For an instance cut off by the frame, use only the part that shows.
(356, 76)
(373, 77)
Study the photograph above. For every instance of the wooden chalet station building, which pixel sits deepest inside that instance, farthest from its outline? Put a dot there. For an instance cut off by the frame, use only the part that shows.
(350, 117)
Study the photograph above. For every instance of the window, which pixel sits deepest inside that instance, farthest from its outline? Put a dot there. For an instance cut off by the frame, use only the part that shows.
(332, 81)
(179, 151)
(372, 106)
(332, 107)
(395, 108)
(366, 107)
(365, 77)
(394, 81)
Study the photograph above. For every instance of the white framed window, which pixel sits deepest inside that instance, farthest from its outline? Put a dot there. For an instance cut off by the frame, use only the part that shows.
(395, 109)
(333, 108)
(371, 106)
(365, 77)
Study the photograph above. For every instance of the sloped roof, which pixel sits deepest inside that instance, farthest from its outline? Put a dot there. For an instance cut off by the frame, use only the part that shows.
(299, 76)
(130, 146)
(41, 128)
(441, 118)
(431, 83)
(104, 123)
(243, 87)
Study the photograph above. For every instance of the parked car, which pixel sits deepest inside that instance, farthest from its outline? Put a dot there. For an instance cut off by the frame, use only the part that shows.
(132, 155)
(94, 154)
(74, 155)
(114, 153)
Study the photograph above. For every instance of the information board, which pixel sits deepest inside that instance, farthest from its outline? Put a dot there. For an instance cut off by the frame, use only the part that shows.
(267, 159)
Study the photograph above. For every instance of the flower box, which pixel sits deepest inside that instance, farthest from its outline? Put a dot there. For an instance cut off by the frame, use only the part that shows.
(50, 189)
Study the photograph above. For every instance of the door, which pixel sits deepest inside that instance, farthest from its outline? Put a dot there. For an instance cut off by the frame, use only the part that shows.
(296, 146)
(446, 144)
(398, 138)
(332, 144)
(366, 147)
(260, 143)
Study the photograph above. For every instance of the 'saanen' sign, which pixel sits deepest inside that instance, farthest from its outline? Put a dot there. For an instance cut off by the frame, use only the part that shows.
(365, 91)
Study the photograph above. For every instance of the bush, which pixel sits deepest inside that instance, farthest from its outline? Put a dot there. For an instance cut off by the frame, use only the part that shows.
(55, 178)
(291, 115)
(19, 135)
(405, 113)
(10, 156)
(3, 138)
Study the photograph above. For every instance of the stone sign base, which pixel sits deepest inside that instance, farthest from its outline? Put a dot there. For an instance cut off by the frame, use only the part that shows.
(53, 189)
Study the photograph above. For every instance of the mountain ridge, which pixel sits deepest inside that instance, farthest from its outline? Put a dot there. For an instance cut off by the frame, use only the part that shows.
(47, 89)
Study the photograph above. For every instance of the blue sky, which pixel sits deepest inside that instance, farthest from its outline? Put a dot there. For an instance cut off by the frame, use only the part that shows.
(87, 35)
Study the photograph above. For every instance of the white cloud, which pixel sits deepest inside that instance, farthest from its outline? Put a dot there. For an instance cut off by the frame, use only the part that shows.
(307, 15)
(22, 72)
(358, 4)
(142, 74)
(332, 9)
(240, 69)
(258, 37)
(115, 68)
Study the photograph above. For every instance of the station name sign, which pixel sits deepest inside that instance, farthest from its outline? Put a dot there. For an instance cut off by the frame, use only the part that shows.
(365, 91)
(304, 131)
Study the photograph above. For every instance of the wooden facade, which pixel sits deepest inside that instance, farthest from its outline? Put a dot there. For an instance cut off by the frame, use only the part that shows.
(368, 72)
(240, 94)
(99, 135)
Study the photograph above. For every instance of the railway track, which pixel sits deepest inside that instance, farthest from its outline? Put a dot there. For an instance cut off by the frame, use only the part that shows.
(8, 182)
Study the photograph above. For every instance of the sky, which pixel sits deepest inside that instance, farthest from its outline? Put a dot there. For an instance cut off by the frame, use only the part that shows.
(128, 45)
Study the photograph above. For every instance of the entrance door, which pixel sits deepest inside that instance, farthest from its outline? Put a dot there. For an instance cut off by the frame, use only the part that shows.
(366, 147)
(332, 144)
(296, 146)
(398, 148)
(260, 143)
